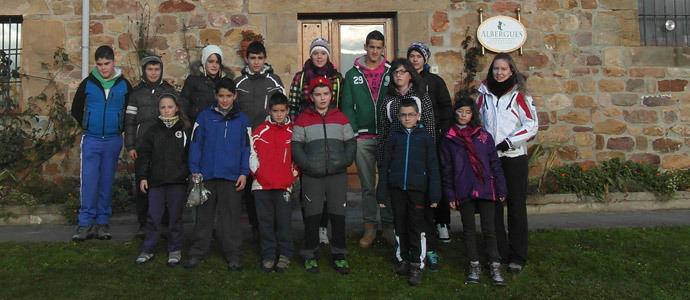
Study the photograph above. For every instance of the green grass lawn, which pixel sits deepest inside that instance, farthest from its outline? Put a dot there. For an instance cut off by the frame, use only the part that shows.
(637, 263)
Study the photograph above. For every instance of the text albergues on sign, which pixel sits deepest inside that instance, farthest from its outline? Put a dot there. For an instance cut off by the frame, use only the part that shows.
(501, 34)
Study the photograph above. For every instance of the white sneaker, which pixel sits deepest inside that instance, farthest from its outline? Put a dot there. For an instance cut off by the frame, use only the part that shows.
(443, 233)
(323, 235)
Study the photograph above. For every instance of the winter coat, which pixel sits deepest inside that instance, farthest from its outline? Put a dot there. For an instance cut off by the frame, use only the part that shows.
(511, 117)
(357, 101)
(199, 90)
(271, 158)
(323, 145)
(101, 116)
(143, 108)
(457, 176)
(440, 99)
(163, 154)
(220, 144)
(254, 90)
(410, 163)
(299, 93)
(389, 121)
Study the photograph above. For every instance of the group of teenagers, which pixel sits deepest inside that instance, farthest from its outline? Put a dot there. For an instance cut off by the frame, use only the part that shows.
(249, 140)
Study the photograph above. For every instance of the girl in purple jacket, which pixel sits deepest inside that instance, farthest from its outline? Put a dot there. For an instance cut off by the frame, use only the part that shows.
(472, 180)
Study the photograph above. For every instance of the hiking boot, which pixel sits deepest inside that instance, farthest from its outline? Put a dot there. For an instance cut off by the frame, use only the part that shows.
(432, 259)
(311, 266)
(323, 235)
(403, 268)
(103, 232)
(474, 270)
(389, 234)
(83, 233)
(141, 232)
(174, 258)
(341, 266)
(415, 274)
(443, 235)
(514, 268)
(496, 276)
(235, 266)
(267, 266)
(369, 235)
(283, 263)
(144, 258)
(192, 262)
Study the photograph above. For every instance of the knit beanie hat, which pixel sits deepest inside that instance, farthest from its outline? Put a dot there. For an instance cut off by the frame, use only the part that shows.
(421, 48)
(208, 50)
(320, 44)
(151, 58)
(320, 81)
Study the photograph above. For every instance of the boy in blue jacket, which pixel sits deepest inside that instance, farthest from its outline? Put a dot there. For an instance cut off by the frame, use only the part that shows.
(99, 106)
(219, 152)
(409, 170)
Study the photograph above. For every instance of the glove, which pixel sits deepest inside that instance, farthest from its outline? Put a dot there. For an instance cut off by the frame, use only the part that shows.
(503, 146)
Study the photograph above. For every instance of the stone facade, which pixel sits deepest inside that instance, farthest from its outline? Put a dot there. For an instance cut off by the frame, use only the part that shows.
(599, 94)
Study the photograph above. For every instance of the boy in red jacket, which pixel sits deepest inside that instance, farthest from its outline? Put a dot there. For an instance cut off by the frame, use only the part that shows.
(274, 172)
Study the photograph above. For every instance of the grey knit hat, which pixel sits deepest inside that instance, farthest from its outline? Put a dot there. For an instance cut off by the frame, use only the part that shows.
(320, 44)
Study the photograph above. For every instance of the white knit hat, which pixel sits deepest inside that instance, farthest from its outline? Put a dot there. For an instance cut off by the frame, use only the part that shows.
(208, 50)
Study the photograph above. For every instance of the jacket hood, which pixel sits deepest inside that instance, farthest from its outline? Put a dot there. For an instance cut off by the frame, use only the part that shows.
(267, 69)
(361, 62)
(233, 113)
(197, 68)
(149, 59)
(269, 120)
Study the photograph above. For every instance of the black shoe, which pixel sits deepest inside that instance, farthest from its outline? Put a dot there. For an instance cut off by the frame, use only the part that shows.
(415, 275)
(191, 263)
(141, 232)
(83, 233)
(403, 268)
(341, 266)
(103, 232)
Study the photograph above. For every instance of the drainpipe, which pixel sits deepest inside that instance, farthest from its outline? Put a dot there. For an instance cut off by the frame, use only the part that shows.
(85, 14)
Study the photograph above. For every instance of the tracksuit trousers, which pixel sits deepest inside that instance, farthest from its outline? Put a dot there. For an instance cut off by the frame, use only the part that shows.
(172, 197)
(274, 215)
(334, 189)
(410, 225)
(98, 164)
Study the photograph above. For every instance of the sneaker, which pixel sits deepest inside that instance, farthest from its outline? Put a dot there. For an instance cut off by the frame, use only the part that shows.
(323, 235)
(311, 266)
(341, 266)
(432, 259)
(174, 258)
(192, 262)
(474, 270)
(83, 233)
(415, 275)
(496, 276)
(144, 258)
(514, 268)
(283, 263)
(141, 232)
(403, 268)
(369, 235)
(235, 266)
(267, 266)
(443, 235)
(103, 232)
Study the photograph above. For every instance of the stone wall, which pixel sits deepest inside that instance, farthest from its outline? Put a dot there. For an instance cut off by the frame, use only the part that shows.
(599, 94)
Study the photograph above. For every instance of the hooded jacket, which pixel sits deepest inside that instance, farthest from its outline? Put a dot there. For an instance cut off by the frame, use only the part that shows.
(254, 90)
(440, 99)
(220, 144)
(271, 158)
(457, 176)
(143, 107)
(358, 103)
(163, 154)
(410, 163)
(100, 115)
(199, 90)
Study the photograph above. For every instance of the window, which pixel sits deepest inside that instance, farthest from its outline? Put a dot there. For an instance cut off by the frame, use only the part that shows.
(10, 57)
(664, 22)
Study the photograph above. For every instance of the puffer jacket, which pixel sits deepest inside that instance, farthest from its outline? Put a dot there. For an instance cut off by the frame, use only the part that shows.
(323, 145)
(271, 158)
(199, 90)
(440, 99)
(163, 154)
(254, 90)
(101, 116)
(142, 108)
(511, 117)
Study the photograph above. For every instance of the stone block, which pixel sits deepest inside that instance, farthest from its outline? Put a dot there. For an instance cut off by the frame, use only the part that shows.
(197, 21)
(612, 112)
(469, 20)
(287, 63)
(651, 56)
(125, 41)
(658, 100)
(582, 139)
(580, 71)
(678, 72)
(557, 102)
(613, 57)
(648, 72)
(609, 155)
(49, 34)
(592, 60)
(649, 158)
(575, 117)
(210, 37)
(123, 7)
(571, 87)
(534, 40)
(666, 145)
(620, 143)
(505, 7)
(582, 129)
(319, 6)
(219, 19)
(569, 22)
(585, 20)
(634, 131)
(670, 115)
(680, 130)
(618, 4)
(569, 4)
(238, 20)
(557, 42)
(641, 143)
(26, 7)
(570, 153)
(624, 99)
(675, 162)
(583, 39)
(611, 85)
(282, 28)
(558, 134)
(437, 40)
(675, 85)
(635, 85)
(544, 86)
(548, 5)
(543, 118)
(610, 126)
(412, 27)
(233, 6)
(654, 130)
(583, 101)
(532, 60)
(641, 116)
(167, 24)
(439, 21)
(545, 21)
(450, 62)
(588, 85)
(616, 28)
(95, 28)
(614, 72)
(599, 142)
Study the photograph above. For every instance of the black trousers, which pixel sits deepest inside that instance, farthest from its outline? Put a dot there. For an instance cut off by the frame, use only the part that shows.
(514, 247)
(408, 218)
(486, 213)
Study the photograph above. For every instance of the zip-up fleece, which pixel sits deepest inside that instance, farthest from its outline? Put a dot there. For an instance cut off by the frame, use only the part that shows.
(271, 158)
(254, 90)
(457, 176)
(358, 103)
(323, 145)
(100, 116)
(510, 117)
(163, 154)
(220, 144)
(409, 164)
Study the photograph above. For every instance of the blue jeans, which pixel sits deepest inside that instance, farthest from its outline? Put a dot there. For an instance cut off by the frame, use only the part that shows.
(366, 169)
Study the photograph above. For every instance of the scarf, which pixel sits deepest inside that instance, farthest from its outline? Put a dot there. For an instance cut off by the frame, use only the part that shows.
(500, 88)
(106, 83)
(169, 121)
(404, 91)
(223, 112)
(311, 71)
(465, 134)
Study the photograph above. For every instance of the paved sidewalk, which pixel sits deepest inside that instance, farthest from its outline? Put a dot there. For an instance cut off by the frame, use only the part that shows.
(123, 227)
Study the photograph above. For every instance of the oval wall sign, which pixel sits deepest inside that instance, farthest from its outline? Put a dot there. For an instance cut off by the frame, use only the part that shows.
(501, 34)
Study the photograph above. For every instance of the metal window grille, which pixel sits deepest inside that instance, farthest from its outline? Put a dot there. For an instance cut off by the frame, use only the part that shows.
(10, 54)
(664, 22)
